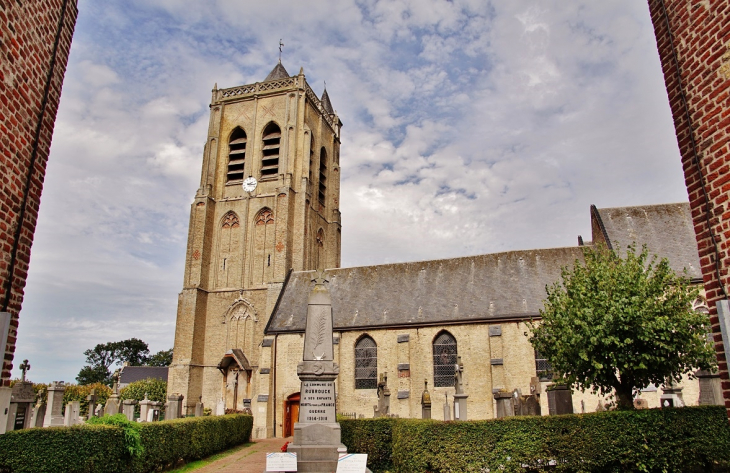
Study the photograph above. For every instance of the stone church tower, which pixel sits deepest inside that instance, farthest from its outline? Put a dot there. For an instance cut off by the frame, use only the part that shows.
(244, 240)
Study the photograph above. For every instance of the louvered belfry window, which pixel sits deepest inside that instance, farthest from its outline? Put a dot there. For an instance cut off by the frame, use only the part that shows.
(322, 176)
(444, 360)
(236, 155)
(270, 158)
(366, 364)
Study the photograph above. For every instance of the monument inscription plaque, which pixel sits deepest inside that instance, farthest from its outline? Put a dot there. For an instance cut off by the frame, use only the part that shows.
(317, 403)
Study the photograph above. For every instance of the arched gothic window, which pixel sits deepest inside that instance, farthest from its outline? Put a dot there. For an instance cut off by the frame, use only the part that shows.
(444, 359)
(236, 155)
(322, 177)
(311, 159)
(264, 217)
(366, 364)
(270, 158)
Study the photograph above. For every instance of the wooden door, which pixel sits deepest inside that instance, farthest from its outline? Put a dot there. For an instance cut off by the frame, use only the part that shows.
(291, 414)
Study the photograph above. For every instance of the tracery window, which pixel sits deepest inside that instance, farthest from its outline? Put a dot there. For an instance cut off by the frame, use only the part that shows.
(444, 359)
(366, 364)
(236, 155)
(322, 177)
(264, 217)
(270, 158)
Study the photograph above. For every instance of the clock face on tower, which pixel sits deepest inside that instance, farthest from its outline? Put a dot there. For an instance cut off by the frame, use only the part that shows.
(249, 184)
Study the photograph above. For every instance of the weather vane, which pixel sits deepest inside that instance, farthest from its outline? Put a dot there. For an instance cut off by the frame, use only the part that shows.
(281, 45)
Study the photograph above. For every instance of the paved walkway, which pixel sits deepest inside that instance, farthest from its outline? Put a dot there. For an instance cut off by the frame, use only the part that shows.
(248, 460)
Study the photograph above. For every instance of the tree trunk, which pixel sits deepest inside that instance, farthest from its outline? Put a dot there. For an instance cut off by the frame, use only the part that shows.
(625, 397)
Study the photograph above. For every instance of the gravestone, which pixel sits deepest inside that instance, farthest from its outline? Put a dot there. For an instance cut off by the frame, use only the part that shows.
(128, 407)
(99, 411)
(317, 441)
(22, 398)
(54, 404)
(560, 399)
(220, 408)
(71, 417)
(112, 403)
(145, 405)
(92, 403)
(425, 401)
(710, 388)
(199, 407)
(671, 396)
(39, 412)
(383, 407)
(505, 407)
(460, 396)
(174, 406)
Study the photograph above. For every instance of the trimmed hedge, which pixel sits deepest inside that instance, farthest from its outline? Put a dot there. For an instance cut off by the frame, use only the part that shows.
(102, 448)
(88, 449)
(687, 439)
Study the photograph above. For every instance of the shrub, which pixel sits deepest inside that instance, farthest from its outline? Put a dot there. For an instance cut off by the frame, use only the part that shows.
(95, 448)
(75, 392)
(155, 389)
(87, 449)
(132, 439)
(687, 439)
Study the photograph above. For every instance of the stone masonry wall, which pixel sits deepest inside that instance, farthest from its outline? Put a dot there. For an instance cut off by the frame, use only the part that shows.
(35, 38)
(693, 39)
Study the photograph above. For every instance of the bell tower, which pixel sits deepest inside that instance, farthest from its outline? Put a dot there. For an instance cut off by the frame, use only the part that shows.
(268, 203)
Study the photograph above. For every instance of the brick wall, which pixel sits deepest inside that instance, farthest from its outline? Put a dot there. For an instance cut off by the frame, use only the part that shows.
(35, 37)
(693, 38)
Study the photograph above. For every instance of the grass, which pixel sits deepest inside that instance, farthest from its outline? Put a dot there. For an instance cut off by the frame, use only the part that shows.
(192, 466)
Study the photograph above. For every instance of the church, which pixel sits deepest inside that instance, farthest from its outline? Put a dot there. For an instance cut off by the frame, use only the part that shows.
(266, 217)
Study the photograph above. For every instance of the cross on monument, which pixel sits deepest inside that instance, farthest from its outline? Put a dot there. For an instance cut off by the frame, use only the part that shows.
(281, 45)
(24, 367)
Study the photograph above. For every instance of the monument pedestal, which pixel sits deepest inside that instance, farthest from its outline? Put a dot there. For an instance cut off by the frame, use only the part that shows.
(317, 446)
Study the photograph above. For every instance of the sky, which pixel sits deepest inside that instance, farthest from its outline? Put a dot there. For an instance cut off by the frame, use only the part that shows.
(470, 127)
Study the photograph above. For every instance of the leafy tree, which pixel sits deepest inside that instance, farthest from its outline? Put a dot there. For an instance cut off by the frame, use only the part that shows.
(104, 355)
(161, 358)
(619, 324)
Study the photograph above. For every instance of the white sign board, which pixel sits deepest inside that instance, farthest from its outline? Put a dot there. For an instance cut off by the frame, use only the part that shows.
(281, 461)
(352, 463)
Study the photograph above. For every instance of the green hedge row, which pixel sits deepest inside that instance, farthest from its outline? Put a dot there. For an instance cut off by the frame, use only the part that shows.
(102, 449)
(687, 439)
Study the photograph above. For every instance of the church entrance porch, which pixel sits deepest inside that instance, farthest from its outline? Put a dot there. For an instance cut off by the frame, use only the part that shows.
(236, 388)
(291, 413)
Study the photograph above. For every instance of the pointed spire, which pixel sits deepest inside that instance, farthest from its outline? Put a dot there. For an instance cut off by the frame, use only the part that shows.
(326, 102)
(278, 72)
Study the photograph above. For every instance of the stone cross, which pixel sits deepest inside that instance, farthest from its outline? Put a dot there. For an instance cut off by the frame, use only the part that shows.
(92, 403)
(459, 396)
(24, 367)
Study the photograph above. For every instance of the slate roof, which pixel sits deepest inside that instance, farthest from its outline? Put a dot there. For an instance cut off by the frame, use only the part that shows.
(500, 286)
(130, 374)
(326, 103)
(278, 72)
(666, 229)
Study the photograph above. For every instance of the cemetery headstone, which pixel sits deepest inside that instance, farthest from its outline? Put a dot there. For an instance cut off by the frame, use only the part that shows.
(199, 407)
(317, 440)
(671, 397)
(425, 401)
(71, 417)
(99, 411)
(39, 412)
(710, 388)
(22, 398)
(145, 405)
(174, 406)
(383, 407)
(92, 403)
(504, 404)
(128, 407)
(112, 403)
(459, 396)
(54, 404)
(560, 399)
(220, 408)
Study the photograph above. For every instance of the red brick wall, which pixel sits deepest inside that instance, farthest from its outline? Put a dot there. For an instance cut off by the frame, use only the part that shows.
(698, 67)
(28, 53)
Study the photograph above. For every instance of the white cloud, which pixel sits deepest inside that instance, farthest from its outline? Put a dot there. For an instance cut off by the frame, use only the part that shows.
(470, 127)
